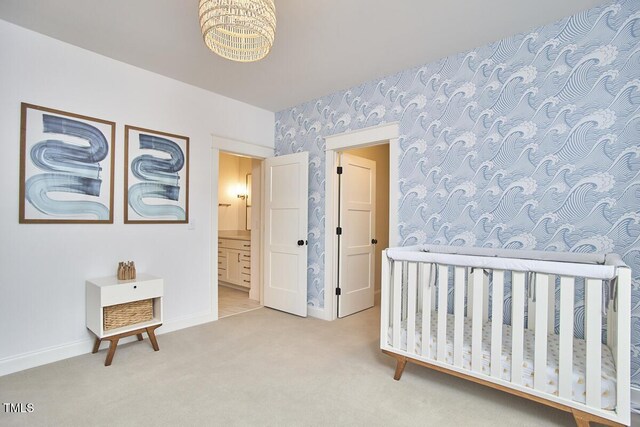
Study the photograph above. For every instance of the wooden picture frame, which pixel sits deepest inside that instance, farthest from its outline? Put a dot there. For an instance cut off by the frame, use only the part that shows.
(156, 177)
(67, 163)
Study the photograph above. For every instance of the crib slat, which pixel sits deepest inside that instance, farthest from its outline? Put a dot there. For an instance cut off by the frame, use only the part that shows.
(458, 316)
(425, 278)
(540, 349)
(565, 362)
(551, 306)
(384, 300)
(496, 322)
(531, 306)
(593, 319)
(517, 326)
(470, 300)
(443, 281)
(397, 303)
(412, 282)
(419, 290)
(477, 320)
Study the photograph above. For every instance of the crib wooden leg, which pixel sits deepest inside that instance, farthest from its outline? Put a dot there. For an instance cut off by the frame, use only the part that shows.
(401, 362)
(582, 419)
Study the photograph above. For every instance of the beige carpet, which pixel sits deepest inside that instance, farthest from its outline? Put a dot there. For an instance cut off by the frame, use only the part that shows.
(262, 367)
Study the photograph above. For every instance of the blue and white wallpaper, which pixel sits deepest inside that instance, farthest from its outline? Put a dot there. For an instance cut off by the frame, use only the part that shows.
(532, 142)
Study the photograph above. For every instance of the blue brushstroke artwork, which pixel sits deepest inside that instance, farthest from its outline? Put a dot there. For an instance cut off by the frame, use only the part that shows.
(69, 169)
(38, 186)
(159, 179)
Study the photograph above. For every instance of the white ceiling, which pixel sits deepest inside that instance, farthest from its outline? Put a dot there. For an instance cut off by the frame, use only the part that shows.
(321, 45)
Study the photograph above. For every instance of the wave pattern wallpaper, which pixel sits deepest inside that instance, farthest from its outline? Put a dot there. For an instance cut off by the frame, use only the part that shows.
(532, 142)
(67, 169)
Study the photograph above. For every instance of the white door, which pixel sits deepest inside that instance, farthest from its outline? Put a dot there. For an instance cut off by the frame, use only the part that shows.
(285, 243)
(357, 219)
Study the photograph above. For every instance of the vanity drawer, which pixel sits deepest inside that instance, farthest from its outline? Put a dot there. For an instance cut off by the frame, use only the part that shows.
(222, 263)
(245, 280)
(235, 244)
(245, 266)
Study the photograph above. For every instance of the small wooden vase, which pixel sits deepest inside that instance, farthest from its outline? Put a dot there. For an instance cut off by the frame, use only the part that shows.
(126, 270)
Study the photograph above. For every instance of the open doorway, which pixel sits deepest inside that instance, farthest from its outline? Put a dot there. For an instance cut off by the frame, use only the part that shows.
(277, 210)
(238, 250)
(363, 226)
(387, 134)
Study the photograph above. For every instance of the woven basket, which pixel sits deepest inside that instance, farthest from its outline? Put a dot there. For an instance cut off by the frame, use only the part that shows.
(120, 315)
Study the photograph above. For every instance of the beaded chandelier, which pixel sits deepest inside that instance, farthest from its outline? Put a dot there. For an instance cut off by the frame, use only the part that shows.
(239, 30)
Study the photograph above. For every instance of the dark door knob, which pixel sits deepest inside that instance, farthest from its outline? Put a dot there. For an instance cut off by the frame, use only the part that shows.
(300, 242)
(374, 241)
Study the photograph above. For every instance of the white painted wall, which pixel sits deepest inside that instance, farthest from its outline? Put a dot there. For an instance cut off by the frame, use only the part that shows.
(43, 267)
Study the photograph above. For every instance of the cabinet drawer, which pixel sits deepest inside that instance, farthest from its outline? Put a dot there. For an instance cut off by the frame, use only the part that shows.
(245, 256)
(222, 273)
(245, 280)
(126, 292)
(245, 266)
(235, 244)
(223, 263)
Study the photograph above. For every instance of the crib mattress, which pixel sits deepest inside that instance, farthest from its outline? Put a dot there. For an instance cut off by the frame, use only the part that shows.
(608, 370)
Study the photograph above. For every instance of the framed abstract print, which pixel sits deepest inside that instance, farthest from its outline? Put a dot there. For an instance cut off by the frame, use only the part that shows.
(66, 167)
(156, 178)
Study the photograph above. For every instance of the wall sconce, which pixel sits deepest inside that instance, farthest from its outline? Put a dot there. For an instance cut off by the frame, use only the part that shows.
(241, 191)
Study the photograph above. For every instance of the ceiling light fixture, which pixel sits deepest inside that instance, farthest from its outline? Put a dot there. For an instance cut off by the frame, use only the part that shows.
(239, 30)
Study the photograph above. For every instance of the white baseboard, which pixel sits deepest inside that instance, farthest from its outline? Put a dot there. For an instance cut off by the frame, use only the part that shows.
(48, 355)
(635, 400)
(318, 313)
(187, 322)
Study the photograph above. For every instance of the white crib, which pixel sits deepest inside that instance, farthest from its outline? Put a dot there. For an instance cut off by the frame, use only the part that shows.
(530, 350)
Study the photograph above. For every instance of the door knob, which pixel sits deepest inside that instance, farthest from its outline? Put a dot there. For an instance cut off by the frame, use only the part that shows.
(300, 242)
(374, 241)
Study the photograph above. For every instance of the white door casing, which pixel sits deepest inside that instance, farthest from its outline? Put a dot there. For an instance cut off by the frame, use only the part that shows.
(286, 186)
(357, 216)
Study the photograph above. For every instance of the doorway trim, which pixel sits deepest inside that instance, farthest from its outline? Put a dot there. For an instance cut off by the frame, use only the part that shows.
(375, 135)
(232, 146)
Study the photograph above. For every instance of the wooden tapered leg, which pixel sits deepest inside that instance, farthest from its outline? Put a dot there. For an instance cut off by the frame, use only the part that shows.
(113, 341)
(582, 419)
(401, 362)
(152, 337)
(112, 350)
